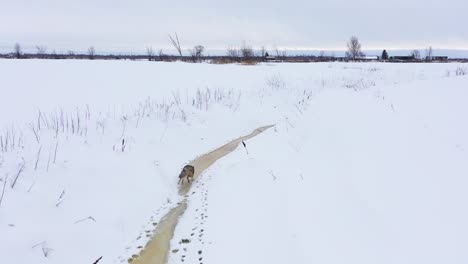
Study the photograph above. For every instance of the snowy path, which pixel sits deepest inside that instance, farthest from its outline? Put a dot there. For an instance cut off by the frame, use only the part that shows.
(157, 249)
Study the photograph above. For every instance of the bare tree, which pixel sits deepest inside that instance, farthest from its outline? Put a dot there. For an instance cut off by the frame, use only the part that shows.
(280, 54)
(175, 42)
(150, 53)
(263, 52)
(354, 49)
(416, 54)
(71, 53)
(55, 55)
(233, 53)
(197, 53)
(283, 55)
(246, 52)
(429, 53)
(91, 53)
(18, 51)
(161, 55)
(41, 50)
(321, 55)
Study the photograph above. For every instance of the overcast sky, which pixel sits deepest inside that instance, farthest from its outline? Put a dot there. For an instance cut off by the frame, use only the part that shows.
(216, 24)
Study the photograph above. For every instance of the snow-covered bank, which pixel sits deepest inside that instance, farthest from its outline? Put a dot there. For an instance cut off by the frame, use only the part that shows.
(116, 86)
(361, 177)
(358, 119)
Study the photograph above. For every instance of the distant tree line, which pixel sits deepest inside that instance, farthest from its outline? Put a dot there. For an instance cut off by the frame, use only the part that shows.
(244, 54)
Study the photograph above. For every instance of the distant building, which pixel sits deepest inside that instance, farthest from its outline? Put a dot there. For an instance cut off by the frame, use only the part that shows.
(368, 58)
(403, 58)
(438, 58)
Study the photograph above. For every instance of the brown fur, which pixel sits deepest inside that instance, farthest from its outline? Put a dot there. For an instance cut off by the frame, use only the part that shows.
(187, 172)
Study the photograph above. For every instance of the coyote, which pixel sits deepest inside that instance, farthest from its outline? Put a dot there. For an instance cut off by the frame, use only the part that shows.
(187, 172)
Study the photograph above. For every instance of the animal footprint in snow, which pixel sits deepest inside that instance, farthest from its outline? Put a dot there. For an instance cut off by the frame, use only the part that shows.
(185, 241)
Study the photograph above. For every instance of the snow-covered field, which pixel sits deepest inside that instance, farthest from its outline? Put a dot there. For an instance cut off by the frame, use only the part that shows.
(367, 162)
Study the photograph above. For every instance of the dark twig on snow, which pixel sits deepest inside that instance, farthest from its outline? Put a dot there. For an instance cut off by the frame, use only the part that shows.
(245, 146)
(89, 217)
(38, 157)
(3, 190)
(97, 260)
(273, 175)
(38, 244)
(32, 185)
(46, 251)
(20, 170)
(55, 152)
(60, 199)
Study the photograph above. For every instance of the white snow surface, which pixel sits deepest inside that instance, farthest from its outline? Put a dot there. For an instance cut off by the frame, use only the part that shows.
(367, 162)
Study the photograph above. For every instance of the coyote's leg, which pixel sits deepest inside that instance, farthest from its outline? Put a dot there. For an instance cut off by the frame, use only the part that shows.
(181, 179)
